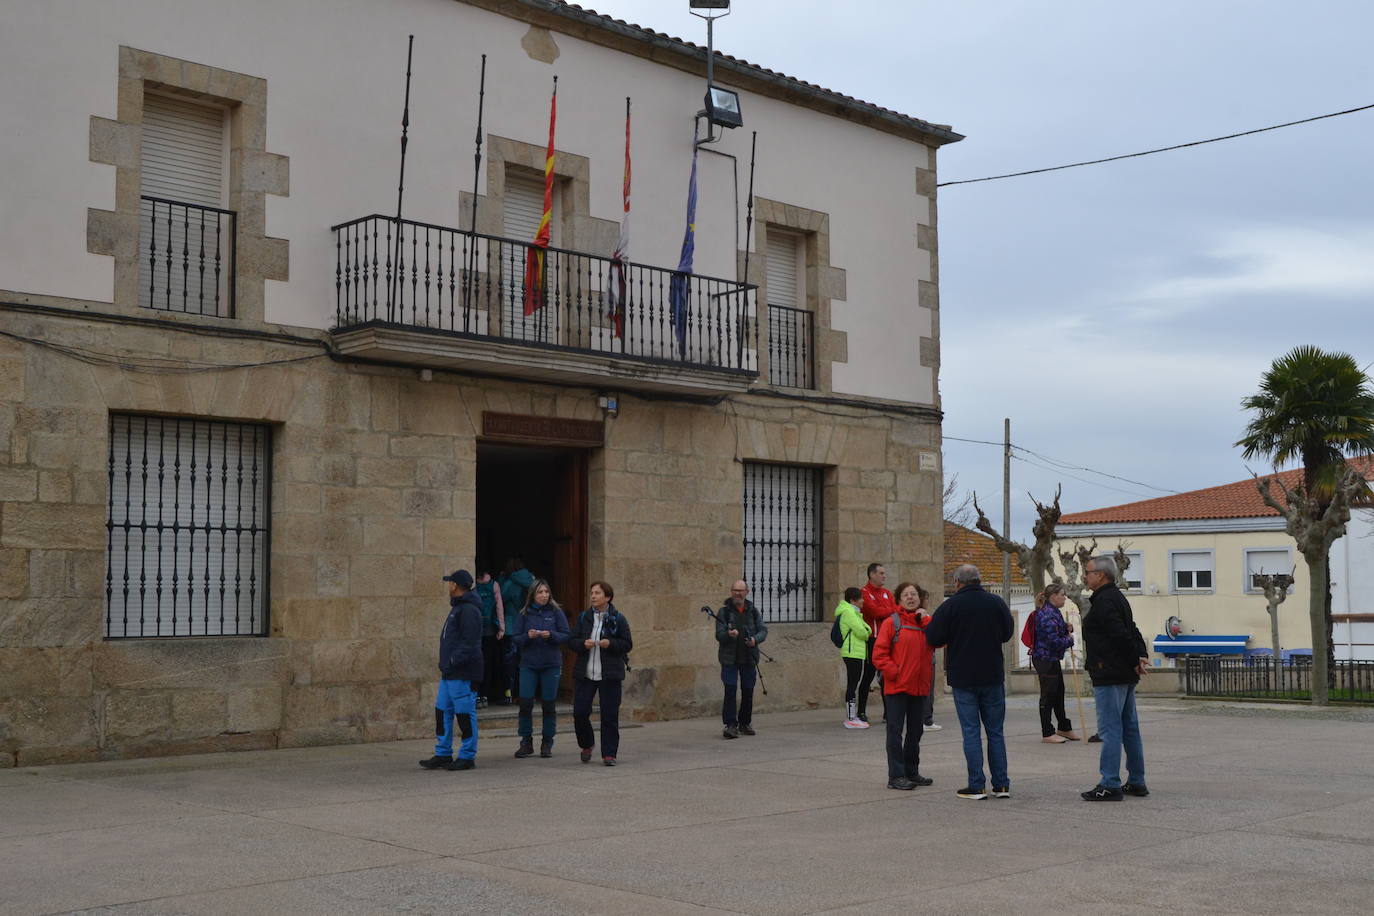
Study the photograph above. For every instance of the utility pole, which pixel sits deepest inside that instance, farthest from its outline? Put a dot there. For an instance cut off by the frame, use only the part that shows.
(1010, 653)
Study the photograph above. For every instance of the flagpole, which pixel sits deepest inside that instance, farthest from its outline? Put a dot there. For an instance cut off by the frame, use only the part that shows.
(748, 244)
(401, 187)
(476, 175)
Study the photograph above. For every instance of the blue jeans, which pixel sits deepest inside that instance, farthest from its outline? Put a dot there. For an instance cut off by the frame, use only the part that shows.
(544, 681)
(745, 677)
(455, 701)
(1119, 727)
(988, 706)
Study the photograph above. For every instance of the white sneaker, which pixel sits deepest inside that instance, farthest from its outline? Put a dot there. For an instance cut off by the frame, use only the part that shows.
(855, 723)
(932, 727)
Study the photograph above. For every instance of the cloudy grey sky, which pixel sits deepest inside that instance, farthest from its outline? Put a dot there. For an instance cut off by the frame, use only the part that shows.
(1116, 313)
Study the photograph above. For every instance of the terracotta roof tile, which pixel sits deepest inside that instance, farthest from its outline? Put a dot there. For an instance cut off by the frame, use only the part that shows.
(964, 545)
(1232, 500)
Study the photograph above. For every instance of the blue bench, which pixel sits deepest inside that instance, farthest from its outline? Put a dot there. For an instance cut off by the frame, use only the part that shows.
(1200, 645)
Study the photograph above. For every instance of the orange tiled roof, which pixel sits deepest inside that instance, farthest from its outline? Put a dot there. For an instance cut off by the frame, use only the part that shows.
(1232, 500)
(964, 545)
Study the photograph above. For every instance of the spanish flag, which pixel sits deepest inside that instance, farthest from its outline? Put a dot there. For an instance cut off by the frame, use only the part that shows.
(536, 271)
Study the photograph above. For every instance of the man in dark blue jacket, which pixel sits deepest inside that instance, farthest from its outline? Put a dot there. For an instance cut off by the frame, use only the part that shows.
(971, 625)
(739, 630)
(460, 671)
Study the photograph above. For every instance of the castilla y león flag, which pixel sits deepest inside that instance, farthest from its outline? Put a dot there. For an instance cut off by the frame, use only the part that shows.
(536, 271)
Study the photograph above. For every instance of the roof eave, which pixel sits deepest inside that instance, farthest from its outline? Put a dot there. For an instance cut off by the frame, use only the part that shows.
(613, 33)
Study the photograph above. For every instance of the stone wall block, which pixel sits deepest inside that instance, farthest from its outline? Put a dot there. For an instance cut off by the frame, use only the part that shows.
(445, 535)
(379, 576)
(379, 618)
(393, 702)
(314, 706)
(14, 572)
(416, 658)
(436, 473)
(198, 712)
(136, 715)
(387, 472)
(316, 618)
(321, 736)
(173, 664)
(361, 501)
(50, 621)
(331, 575)
(428, 503)
(349, 662)
(393, 535)
(38, 721)
(253, 709)
(421, 446)
(54, 486)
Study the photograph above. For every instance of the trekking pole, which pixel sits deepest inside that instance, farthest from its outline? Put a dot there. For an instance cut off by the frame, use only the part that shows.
(1077, 683)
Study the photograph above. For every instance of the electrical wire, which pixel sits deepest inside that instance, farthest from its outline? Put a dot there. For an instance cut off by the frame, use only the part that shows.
(1065, 466)
(1091, 483)
(1151, 152)
(149, 364)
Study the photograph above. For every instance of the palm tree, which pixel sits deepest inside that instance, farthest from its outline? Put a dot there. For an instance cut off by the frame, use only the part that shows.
(1316, 407)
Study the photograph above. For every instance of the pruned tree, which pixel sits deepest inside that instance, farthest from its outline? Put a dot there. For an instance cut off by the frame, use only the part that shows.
(1034, 561)
(1074, 559)
(1316, 523)
(1275, 587)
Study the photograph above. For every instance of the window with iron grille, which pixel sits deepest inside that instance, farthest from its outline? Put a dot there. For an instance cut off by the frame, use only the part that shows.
(782, 540)
(187, 529)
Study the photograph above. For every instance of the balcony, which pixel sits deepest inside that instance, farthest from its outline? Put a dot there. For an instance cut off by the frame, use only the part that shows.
(186, 257)
(437, 297)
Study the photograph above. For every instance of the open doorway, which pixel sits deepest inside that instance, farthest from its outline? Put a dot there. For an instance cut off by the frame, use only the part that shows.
(532, 503)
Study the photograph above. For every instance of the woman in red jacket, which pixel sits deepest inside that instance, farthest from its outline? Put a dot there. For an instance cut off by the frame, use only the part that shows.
(900, 652)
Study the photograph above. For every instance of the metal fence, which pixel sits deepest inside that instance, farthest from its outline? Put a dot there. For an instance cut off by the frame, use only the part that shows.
(782, 540)
(187, 530)
(1266, 677)
(791, 350)
(187, 257)
(439, 278)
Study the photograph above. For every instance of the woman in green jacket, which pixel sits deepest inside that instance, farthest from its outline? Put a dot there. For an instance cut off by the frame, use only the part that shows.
(853, 649)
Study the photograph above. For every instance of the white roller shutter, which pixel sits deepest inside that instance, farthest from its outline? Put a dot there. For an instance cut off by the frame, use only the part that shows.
(783, 286)
(523, 209)
(185, 252)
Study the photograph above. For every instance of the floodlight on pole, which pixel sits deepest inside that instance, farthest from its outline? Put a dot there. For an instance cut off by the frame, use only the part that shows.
(722, 105)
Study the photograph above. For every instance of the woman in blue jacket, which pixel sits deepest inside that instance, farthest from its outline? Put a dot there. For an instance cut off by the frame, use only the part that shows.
(540, 636)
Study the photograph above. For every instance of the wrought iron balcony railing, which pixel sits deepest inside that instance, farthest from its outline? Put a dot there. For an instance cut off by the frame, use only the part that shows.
(435, 278)
(791, 347)
(186, 257)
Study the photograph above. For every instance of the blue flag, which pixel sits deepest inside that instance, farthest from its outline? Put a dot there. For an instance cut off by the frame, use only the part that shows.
(678, 289)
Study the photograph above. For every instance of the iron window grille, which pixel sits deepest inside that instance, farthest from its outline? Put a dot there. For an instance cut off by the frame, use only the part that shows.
(782, 540)
(187, 535)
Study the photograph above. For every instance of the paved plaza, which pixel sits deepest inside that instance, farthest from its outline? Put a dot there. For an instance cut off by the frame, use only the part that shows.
(1255, 810)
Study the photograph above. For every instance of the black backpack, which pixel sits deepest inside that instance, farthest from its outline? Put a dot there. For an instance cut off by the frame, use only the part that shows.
(836, 636)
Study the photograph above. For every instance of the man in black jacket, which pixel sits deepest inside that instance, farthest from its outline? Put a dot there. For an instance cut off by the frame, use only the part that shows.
(460, 671)
(971, 625)
(739, 630)
(1116, 658)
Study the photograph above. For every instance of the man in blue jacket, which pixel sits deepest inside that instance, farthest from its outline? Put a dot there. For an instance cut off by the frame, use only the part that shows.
(971, 625)
(460, 671)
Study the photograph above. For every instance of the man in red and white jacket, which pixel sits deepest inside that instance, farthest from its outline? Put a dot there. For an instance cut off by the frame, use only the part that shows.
(878, 606)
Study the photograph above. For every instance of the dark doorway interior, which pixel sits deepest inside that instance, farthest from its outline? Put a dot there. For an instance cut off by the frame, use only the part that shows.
(532, 503)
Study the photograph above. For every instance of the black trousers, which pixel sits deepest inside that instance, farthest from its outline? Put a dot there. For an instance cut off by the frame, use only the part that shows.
(905, 712)
(493, 685)
(853, 670)
(609, 692)
(1051, 696)
(866, 679)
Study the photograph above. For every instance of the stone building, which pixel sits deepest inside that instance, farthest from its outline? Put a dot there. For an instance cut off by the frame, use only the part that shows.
(245, 426)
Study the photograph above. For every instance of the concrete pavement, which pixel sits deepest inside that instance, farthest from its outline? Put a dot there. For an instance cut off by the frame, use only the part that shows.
(1255, 810)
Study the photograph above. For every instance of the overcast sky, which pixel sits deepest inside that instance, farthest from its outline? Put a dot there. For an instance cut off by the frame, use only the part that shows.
(1116, 313)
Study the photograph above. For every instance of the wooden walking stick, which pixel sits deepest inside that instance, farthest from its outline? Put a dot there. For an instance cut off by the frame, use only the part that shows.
(1077, 683)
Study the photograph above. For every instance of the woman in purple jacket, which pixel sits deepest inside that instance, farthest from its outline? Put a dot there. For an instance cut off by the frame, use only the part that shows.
(1053, 637)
